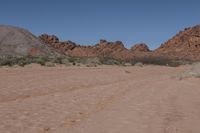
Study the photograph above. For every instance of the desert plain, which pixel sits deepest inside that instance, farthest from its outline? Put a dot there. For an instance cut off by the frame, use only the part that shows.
(103, 99)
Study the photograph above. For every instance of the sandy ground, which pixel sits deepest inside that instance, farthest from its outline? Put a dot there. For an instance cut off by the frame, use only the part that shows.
(98, 100)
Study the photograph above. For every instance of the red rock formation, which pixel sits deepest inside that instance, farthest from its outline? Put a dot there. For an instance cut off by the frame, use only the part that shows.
(62, 47)
(102, 49)
(49, 39)
(142, 47)
(184, 45)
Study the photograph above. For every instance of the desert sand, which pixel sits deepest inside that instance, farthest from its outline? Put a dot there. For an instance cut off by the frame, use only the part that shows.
(103, 99)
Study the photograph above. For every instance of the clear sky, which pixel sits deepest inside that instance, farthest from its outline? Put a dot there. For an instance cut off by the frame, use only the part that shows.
(86, 21)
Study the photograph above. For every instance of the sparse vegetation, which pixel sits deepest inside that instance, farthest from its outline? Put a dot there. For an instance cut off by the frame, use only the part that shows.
(11, 61)
(138, 64)
(110, 61)
(193, 72)
(40, 60)
(160, 61)
(50, 64)
(88, 61)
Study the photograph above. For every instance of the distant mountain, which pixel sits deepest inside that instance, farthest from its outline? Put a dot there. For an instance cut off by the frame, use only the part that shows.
(184, 45)
(16, 41)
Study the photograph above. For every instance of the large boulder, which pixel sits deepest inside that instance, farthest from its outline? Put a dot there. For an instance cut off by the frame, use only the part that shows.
(16, 41)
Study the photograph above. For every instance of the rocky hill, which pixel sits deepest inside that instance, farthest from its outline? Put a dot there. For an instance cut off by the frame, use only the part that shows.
(184, 45)
(102, 49)
(16, 41)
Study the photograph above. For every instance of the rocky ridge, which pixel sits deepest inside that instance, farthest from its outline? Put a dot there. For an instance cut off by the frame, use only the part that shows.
(102, 49)
(184, 45)
(17, 41)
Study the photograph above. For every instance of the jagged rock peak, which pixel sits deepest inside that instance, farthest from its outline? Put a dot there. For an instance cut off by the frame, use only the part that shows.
(49, 38)
(141, 47)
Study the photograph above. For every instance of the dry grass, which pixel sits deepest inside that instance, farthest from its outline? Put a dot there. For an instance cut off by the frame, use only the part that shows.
(193, 72)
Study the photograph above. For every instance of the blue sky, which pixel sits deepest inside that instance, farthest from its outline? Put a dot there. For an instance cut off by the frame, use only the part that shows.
(86, 21)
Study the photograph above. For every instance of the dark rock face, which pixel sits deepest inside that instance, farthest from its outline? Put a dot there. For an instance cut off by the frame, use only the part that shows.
(186, 45)
(16, 41)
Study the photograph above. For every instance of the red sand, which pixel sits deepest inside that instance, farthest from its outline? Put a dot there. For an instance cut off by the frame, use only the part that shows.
(105, 99)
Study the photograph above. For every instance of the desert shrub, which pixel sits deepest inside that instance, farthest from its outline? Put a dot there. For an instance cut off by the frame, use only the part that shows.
(138, 64)
(89, 60)
(95, 61)
(6, 62)
(196, 69)
(9, 60)
(24, 61)
(40, 60)
(65, 61)
(109, 61)
(126, 64)
(72, 59)
(49, 64)
(58, 60)
(55, 59)
(160, 61)
(83, 60)
(193, 71)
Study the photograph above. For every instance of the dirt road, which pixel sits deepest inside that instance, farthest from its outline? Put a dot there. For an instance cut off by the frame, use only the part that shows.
(98, 100)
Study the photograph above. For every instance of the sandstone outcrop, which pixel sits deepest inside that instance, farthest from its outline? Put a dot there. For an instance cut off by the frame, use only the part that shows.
(102, 49)
(142, 47)
(184, 45)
